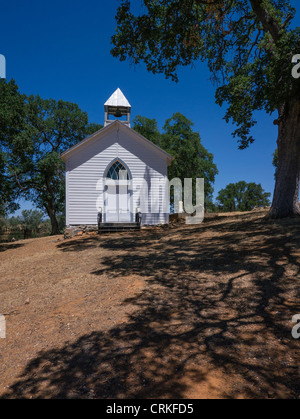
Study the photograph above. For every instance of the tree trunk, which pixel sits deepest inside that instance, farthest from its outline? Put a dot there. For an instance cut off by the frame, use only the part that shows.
(54, 223)
(286, 195)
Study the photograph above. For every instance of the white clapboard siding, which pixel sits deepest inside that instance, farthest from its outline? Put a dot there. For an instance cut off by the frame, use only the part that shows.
(86, 166)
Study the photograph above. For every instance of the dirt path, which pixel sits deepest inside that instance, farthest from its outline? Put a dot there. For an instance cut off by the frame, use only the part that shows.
(191, 311)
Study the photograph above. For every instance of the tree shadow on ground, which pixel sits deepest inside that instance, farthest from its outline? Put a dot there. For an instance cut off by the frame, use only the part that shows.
(79, 245)
(219, 299)
(8, 246)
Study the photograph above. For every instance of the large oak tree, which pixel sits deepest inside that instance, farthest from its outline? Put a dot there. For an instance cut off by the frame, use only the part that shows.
(33, 168)
(12, 121)
(248, 45)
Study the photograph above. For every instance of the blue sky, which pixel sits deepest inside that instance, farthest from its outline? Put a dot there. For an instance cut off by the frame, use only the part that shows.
(61, 50)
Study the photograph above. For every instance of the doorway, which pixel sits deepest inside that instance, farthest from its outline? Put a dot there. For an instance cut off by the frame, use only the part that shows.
(117, 194)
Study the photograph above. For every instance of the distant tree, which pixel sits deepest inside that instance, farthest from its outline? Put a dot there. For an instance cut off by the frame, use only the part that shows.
(211, 207)
(32, 219)
(148, 128)
(242, 196)
(3, 223)
(33, 162)
(248, 45)
(92, 128)
(29, 222)
(191, 159)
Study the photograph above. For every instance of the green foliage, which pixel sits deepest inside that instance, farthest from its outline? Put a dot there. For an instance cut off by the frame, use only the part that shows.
(29, 224)
(33, 166)
(248, 46)
(61, 220)
(11, 123)
(30, 219)
(91, 128)
(148, 128)
(191, 159)
(12, 112)
(276, 161)
(242, 196)
(3, 223)
(211, 207)
(6, 193)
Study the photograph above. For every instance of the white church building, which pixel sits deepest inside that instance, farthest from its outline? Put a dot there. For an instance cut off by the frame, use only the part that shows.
(116, 173)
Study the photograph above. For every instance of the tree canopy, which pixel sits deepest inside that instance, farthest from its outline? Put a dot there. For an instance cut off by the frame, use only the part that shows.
(12, 115)
(29, 219)
(191, 159)
(242, 196)
(33, 167)
(148, 128)
(248, 45)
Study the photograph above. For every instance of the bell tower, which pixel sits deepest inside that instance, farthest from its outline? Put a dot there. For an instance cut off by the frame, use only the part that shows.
(119, 107)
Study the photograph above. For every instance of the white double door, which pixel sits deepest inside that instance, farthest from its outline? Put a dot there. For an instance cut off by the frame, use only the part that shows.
(117, 202)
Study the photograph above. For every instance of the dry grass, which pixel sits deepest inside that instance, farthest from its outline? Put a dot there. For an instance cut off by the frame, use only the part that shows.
(190, 311)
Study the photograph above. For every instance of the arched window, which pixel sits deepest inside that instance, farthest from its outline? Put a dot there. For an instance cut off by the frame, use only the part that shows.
(117, 172)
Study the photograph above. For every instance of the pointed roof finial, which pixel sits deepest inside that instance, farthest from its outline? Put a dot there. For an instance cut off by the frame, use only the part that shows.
(118, 99)
(117, 106)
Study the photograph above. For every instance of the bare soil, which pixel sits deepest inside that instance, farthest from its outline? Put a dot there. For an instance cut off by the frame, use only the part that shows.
(181, 312)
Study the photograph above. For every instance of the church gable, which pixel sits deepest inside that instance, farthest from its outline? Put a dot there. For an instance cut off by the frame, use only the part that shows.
(118, 133)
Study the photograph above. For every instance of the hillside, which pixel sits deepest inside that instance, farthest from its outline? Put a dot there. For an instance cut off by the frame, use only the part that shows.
(187, 311)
